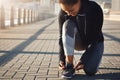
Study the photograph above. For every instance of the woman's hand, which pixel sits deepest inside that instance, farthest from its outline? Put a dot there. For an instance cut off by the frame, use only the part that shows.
(79, 66)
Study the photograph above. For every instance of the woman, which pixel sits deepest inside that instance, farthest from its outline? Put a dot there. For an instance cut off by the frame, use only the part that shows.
(80, 25)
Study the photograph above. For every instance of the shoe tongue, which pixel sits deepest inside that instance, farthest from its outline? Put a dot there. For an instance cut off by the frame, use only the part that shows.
(69, 66)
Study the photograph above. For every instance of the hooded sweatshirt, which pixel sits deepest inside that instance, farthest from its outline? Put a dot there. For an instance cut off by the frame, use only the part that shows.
(89, 22)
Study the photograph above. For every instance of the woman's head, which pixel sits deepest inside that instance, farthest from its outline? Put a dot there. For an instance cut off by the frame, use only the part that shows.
(68, 2)
(71, 7)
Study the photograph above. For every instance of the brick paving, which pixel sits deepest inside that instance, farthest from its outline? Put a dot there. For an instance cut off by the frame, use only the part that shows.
(30, 52)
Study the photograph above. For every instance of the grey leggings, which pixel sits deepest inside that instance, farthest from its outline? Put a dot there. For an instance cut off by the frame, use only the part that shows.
(93, 53)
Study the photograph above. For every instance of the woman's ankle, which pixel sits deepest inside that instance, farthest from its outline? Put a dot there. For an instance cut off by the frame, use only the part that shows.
(69, 59)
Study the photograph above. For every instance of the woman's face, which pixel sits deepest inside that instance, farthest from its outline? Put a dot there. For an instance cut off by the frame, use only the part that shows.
(71, 10)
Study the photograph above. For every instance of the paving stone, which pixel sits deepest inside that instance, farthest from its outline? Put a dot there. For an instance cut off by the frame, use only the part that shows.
(28, 77)
(52, 75)
(33, 69)
(9, 74)
(54, 79)
(104, 71)
(39, 78)
(24, 68)
(43, 71)
(19, 76)
(2, 72)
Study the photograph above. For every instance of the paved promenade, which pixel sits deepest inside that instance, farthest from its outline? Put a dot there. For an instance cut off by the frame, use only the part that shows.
(30, 52)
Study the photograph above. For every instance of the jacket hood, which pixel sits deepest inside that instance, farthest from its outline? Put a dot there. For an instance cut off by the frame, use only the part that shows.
(84, 3)
(84, 0)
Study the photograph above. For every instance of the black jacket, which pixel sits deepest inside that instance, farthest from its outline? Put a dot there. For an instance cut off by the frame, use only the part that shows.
(89, 21)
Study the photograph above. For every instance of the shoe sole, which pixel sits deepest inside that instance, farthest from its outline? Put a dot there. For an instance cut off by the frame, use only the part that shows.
(68, 77)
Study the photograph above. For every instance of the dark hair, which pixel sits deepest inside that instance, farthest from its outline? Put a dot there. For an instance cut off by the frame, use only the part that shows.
(69, 2)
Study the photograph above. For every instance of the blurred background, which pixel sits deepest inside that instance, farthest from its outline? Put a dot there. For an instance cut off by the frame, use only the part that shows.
(50, 8)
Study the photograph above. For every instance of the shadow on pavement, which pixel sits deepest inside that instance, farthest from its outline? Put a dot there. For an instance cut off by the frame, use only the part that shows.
(18, 49)
(112, 37)
(34, 52)
(108, 76)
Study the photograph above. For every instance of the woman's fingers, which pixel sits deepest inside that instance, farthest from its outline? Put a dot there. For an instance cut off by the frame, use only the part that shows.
(79, 66)
(61, 66)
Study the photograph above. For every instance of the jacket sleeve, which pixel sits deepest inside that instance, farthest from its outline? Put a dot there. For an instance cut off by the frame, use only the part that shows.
(94, 22)
(61, 20)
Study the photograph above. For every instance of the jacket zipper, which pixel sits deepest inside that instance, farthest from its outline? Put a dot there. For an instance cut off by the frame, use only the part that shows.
(82, 15)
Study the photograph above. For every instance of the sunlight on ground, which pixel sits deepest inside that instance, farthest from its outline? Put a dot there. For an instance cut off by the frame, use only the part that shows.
(112, 17)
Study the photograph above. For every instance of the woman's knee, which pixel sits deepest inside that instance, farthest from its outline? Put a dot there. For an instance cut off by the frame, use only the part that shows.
(90, 70)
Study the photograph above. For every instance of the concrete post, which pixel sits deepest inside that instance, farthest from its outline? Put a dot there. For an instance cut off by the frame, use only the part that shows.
(28, 13)
(19, 16)
(24, 16)
(2, 18)
(37, 15)
(12, 17)
(34, 16)
(31, 15)
(52, 5)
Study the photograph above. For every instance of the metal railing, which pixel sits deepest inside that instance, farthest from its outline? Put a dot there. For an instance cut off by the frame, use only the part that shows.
(9, 17)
